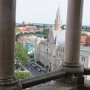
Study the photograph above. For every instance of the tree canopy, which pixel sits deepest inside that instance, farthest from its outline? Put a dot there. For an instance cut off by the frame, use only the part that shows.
(21, 54)
(22, 74)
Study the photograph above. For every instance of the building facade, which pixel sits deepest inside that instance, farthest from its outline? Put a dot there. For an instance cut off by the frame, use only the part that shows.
(51, 52)
(47, 50)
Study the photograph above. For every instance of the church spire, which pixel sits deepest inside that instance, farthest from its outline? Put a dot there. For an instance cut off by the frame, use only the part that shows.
(57, 20)
(58, 10)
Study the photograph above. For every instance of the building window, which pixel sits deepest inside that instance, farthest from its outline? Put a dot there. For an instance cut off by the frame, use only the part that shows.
(83, 58)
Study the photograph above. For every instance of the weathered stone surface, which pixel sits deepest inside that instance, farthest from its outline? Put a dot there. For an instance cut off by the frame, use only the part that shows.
(10, 85)
(53, 86)
(59, 86)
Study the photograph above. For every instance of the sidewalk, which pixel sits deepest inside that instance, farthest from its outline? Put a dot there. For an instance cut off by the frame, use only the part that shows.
(25, 69)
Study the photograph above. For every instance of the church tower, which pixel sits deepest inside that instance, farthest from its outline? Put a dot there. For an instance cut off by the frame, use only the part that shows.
(58, 20)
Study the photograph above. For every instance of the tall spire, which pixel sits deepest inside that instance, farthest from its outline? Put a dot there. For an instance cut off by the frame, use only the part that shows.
(58, 10)
(57, 20)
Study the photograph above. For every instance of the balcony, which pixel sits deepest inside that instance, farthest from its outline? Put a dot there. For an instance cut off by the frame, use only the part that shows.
(71, 73)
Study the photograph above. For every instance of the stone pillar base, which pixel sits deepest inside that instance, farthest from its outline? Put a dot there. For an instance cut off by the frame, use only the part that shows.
(72, 68)
(10, 84)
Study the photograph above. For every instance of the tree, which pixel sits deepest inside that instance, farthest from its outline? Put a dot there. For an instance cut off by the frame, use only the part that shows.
(21, 54)
(46, 36)
(84, 34)
(18, 35)
(22, 74)
(88, 29)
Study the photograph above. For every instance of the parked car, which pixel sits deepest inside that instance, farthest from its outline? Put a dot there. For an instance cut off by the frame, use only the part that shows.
(32, 61)
(39, 69)
(33, 65)
(42, 71)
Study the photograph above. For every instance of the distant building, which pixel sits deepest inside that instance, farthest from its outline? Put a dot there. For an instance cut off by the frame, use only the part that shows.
(46, 30)
(85, 40)
(26, 29)
(37, 48)
(40, 35)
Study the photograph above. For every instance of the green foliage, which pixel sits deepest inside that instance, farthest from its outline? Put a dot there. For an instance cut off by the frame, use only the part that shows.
(63, 27)
(27, 33)
(84, 34)
(22, 74)
(21, 54)
(18, 35)
(88, 30)
(41, 26)
(38, 26)
(38, 32)
(45, 36)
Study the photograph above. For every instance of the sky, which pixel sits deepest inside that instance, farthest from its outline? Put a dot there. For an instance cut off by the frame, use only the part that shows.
(44, 11)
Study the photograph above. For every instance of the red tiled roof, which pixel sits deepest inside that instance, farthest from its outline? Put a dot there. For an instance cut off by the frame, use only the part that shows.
(85, 40)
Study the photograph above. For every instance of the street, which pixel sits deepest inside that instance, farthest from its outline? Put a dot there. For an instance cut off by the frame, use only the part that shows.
(34, 71)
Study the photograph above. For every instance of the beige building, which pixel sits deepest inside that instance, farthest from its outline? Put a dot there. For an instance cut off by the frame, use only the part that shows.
(37, 48)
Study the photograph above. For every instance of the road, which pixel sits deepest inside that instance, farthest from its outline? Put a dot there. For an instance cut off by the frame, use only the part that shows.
(34, 71)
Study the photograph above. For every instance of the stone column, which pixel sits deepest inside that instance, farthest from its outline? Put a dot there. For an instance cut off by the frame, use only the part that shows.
(73, 32)
(7, 44)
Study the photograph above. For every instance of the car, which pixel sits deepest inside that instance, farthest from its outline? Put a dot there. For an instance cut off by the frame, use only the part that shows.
(33, 65)
(32, 61)
(42, 71)
(39, 69)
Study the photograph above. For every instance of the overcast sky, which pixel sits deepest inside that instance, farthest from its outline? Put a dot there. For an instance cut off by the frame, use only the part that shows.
(44, 11)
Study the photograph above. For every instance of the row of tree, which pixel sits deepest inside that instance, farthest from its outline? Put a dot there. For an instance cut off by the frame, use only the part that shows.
(28, 33)
(21, 56)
